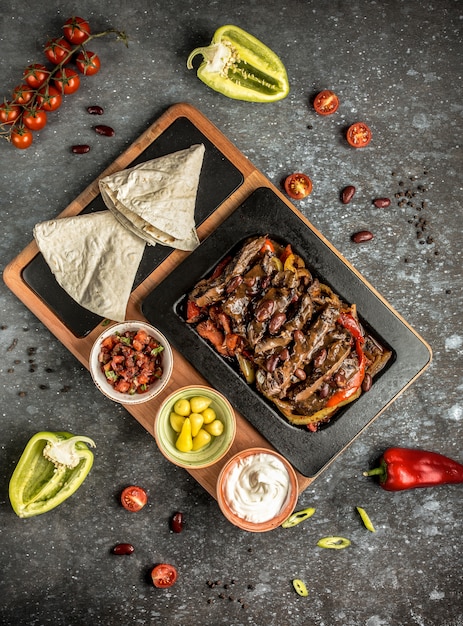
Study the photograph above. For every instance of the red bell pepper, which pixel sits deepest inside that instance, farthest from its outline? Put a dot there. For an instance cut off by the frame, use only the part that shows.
(349, 322)
(405, 468)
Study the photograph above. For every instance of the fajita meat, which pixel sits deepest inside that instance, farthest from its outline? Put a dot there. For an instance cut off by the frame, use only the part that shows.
(305, 348)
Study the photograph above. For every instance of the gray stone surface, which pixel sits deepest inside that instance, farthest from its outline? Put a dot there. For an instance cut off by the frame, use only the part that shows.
(395, 65)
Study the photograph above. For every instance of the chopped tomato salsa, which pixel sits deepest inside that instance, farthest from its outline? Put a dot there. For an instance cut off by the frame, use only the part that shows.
(131, 361)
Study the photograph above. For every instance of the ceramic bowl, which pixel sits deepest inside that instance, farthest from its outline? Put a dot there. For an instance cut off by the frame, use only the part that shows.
(268, 518)
(215, 450)
(99, 377)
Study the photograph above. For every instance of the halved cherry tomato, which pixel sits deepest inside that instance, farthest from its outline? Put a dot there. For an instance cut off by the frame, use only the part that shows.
(66, 80)
(22, 94)
(21, 137)
(76, 30)
(9, 112)
(134, 498)
(49, 98)
(298, 186)
(163, 575)
(326, 102)
(35, 119)
(359, 135)
(56, 50)
(35, 75)
(88, 63)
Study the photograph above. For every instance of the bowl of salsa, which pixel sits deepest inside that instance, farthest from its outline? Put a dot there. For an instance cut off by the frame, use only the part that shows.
(131, 362)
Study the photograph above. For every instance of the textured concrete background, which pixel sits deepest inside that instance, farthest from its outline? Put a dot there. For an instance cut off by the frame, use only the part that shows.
(395, 65)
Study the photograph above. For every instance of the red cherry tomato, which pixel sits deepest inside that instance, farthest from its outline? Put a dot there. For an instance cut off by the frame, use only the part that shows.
(66, 80)
(21, 137)
(134, 498)
(56, 50)
(35, 119)
(76, 30)
(326, 102)
(22, 94)
(9, 112)
(358, 135)
(49, 99)
(298, 186)
(163, 575)
(35, 75)
(88, 63)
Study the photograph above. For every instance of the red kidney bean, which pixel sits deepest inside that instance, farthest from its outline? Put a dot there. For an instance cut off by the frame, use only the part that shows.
(122, 549)
(324, 390)
(80, 149)
(340, 379)
(284, 354)
(367, 382)
(264, 310)
(320, 358)
(347, 194)
(107, 131)
(234, 284)
(381, 203)
(277, 321)
(271, 363)
(361, 236)
(95, 110)
(176, 523)
(299, 372)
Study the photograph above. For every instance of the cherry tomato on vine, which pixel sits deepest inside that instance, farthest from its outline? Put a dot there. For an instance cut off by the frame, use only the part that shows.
(9, 112)
(21, 137)
(66, 80)
(35, 75)
(298, 186)
(88, 63)
(326, 102)
(359, 135)
(56, 50)
(134, 498)
(76, 30)
(35, 119)
(22, 94)
(163, 575)
(49, 98)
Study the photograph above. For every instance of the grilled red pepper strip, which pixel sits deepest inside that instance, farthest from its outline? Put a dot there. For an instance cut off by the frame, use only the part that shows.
(405, 468)
(349, 322)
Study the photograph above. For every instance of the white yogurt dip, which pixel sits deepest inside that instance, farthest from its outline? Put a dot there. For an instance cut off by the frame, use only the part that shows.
(257, 487)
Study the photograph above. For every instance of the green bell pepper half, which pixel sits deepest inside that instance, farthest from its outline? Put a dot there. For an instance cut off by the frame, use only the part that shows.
(239, 66)
(51, 468)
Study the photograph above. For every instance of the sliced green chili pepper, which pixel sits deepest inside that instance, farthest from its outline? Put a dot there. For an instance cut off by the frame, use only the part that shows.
(335, 543)
(298, 517)
(366, 519)
(239, 66)
(300, 587)
(51, 468)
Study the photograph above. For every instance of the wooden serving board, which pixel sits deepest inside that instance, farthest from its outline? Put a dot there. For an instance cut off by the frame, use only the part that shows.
(184, 373)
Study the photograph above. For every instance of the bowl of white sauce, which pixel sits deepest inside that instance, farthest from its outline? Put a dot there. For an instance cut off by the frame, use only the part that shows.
(257, 489)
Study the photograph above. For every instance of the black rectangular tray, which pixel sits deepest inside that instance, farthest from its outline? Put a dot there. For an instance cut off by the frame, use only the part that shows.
(263, 212)
(181, 134)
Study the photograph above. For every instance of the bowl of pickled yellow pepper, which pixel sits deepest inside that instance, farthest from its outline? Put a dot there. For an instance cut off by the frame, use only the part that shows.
(195, 427)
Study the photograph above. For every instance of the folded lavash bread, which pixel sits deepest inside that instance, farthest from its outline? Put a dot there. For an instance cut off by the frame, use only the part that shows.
(156, 199)
(94, 259)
